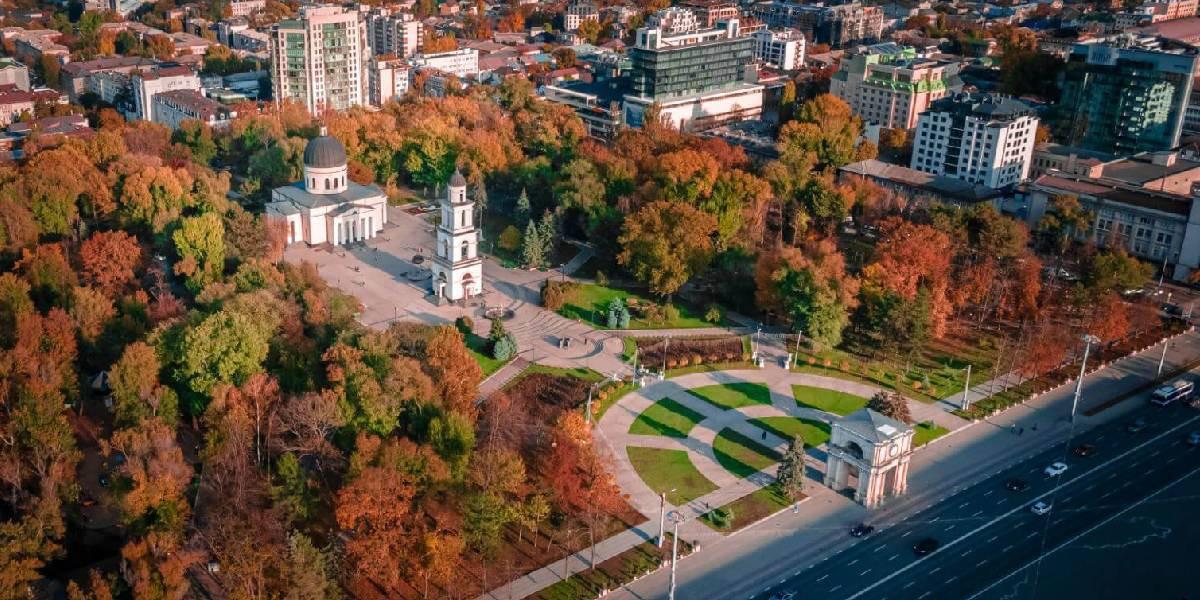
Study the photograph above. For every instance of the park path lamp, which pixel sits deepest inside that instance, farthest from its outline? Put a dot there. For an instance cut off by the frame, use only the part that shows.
(966, 401)
(1088, 340)
(662, 515)
(1162, 359)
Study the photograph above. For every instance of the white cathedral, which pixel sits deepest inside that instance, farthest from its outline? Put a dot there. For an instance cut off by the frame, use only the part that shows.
(457, 266)
(327, 207)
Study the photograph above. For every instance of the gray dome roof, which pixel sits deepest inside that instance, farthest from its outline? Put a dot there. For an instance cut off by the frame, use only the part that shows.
(324, 152)
(457, 179)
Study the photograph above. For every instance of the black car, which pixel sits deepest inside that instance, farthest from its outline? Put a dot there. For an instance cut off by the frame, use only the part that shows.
(1083, 450)
(925, 546)
(1137, 426)
(1016, 485)
(862, 530)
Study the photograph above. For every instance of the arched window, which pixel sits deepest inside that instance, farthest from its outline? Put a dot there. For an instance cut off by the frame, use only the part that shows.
(446, 248)
(462, 218)
(326, 183)
(466, 249)
(314, 183)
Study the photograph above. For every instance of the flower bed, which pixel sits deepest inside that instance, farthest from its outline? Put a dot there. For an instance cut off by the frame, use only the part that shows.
(681, 352)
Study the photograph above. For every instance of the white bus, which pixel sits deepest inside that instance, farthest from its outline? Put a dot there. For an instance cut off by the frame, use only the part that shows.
(1176, 390)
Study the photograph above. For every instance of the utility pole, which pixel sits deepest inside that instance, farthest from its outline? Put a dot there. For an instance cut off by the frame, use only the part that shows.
(587, 414)
(966, 402)
(662, 517)
(674, 556)
(1088, 340)
(1162, 359)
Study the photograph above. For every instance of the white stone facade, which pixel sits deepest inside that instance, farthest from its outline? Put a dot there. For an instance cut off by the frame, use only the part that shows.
(457, 267)
(869, 453)
(982, 139)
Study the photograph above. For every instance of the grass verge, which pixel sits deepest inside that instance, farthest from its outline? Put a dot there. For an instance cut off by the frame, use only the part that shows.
(670, 471)
(666, 417)
(751, 508)
(612, 573)
(830, 401)
(813, 432)
(729, 396)
(927, 432)
(480, 348)
(741, 455)
(589, 302)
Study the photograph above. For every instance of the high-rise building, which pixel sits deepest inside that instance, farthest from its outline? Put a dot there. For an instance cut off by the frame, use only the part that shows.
(578, 11)
(890, 85)
(387, 79)
(697, 77)
(711, 12)
(985, 139)
(394, 33)
(319, 59)
(1125, 96)
(781, 48)
(839, 25)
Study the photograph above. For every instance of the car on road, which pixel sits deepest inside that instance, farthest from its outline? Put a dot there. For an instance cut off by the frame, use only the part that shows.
(926, 546)
(1084, 450)
(862, 530)
(1016, 485)
(1136, 426)
(1193, 438)
(1056, 469)
(1040, 508)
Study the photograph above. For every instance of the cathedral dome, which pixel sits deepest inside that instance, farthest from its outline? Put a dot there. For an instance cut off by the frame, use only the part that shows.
(324, 152)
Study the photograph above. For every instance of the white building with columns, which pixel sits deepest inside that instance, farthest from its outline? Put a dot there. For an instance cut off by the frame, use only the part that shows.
(457, 267)
(869, 454)
(328, 208)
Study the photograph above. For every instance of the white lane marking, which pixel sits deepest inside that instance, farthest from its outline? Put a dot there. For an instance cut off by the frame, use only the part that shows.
(909, 584)
(963, 504)
(988, 493)
(864, 572)
(1007, 548)
(1012, 511)
(851, 563)
(905, 534)
(951, 527)
(1083, 533)
(822, 578)
(935, 570)
(834, 589)
(894, 557)
(977, 513)
(993, 538)
(878, 549)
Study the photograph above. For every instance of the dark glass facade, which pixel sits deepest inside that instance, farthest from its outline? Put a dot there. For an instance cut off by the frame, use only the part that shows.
(689, 69)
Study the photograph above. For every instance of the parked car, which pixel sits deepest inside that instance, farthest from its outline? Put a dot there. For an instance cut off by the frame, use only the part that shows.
(1136, 426)
(1056, 469)
(1084, 450)
(1016, 485)
(862, 530)
(926, 546)
(1040, 508)
(1193, 438)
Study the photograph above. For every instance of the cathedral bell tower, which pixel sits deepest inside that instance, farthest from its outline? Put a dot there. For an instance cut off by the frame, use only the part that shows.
(457, 266)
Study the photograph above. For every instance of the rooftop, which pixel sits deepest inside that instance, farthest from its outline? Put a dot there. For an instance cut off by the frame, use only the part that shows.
(1162, 202)
(872, 426)
(937, 184)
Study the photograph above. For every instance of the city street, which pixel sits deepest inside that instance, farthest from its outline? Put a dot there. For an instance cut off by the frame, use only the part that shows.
(988, 531)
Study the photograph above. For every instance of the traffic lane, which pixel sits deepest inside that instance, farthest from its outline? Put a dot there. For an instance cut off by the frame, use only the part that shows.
(1146, 553)
(891, 549)
(1010, 543)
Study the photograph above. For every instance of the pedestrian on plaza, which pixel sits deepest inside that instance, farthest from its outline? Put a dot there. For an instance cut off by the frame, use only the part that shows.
(1035, 427)
(1022, 432)
(764, 435)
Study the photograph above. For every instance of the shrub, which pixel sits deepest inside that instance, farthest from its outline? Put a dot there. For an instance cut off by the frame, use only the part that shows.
(697, 359)
(828, 363)
(510, 239)
(601, 279)
(618, 315)
(721, 518)
(555, 294)
(464, 324)
(504, 348)
(713, 314)
(497, 331)
(670, 312)
(845, 366)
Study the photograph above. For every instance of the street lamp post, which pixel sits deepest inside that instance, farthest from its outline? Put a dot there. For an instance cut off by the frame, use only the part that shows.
(674, 556)
(1088, 340)
(966, 402)
(1162, 359)
(662, 517)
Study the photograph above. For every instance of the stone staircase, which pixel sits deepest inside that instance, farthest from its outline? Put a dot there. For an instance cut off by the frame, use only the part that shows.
(546, 324)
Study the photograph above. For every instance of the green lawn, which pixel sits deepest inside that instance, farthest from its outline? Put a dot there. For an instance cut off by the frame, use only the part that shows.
(613, 396)
(741, 455)
(480, 348)
(927, 432)
(666, 417)
(710, 367)
(838, 403)
(728, 396)
(667, 470)
(589, 302)
(813, 432)
(751, 508)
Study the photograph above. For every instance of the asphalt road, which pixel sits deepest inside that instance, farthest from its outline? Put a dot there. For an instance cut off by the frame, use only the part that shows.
(987, 532)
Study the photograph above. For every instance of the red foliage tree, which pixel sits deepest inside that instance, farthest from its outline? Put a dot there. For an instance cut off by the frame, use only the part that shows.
(110, 259)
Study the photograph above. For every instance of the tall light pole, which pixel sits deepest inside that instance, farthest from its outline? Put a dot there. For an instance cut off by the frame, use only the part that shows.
(662, 515)
(966, 402)
(1088, 340)
(1162, 359)
(674, 554)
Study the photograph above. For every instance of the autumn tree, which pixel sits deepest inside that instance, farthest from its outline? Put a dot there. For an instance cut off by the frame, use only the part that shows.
(811, 287)
(890, 404)
(665, 243)
(110, 260)
(456, 375)
(375, 510)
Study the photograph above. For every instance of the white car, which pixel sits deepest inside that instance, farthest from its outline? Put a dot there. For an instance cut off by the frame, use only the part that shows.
(1056, 469)
(1040, 508)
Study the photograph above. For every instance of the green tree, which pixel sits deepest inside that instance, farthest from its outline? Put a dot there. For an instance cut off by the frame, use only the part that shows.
(1064, 219)
(135, 388)
(290, 491)
(523, 208)
(823, 203)
(533, 250)
(665, 243)
(197, 136)
(200, 244)
(484, 517)
(791, 469)
(429, 159)
(453, 438)
(311, 572)
(1116, 271)
(510, 238)
(227, 346)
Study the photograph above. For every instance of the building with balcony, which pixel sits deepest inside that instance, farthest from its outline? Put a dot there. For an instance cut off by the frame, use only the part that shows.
(1125, 95)
(711, 12)
(387, 80)
(393, 33)
(319, 59)
(780, 49)
(459, 63)
(176, 106)
(891, 85)
(839, 26)
(578, 11)
(983, 139)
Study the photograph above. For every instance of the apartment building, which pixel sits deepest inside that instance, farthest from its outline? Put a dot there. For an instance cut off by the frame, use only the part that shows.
(319, 59)
(578, 11)
(14, 73)
(839, 26)
(711, 12)
(176, 106)
(145, 85)
(387, 79)
(242, 8)
(984, 139)
(460, 63)
(780, 48)
(891, 85)
(1125, 95)
(393, 33)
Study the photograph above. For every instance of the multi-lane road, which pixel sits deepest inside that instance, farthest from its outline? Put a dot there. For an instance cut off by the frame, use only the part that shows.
(990, 541)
